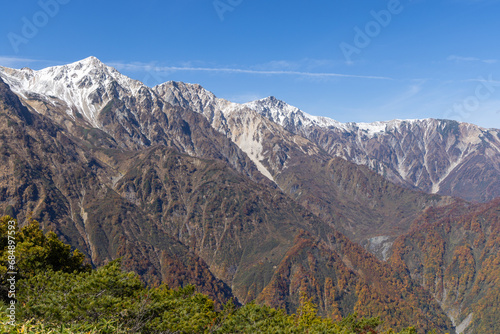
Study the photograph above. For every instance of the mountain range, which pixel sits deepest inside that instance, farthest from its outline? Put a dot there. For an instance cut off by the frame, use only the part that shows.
(257, 201)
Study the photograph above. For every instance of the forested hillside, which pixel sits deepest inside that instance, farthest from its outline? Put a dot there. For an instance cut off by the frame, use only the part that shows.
(454, 253)
(58, 293)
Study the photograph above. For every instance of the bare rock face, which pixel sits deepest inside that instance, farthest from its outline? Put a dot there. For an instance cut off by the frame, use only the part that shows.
(358, 202)
(436, 156)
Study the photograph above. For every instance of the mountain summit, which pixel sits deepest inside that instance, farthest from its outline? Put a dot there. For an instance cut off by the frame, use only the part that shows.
(84, 86)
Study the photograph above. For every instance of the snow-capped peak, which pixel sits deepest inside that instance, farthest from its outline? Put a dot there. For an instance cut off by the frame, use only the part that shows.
(195, 97)
(91, 61)
(86, 85)
(287, 115)
(292, 118)
(191, 91)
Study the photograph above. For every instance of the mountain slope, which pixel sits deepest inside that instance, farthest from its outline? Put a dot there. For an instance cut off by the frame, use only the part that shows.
(90, 94)
(361, 204)
(454, 254)
(348, 280)
(435, 156)
(51, 175)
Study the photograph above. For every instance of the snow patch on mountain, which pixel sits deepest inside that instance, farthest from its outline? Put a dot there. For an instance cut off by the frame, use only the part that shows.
(80, 85)
(287, 115)
(292, 117)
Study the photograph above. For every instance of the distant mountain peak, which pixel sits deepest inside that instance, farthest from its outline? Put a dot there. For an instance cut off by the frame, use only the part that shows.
(293, 118)
(271, 99)
(184, 86)
(79, 84)
(91, 59)
(185, 94)
(288, 116)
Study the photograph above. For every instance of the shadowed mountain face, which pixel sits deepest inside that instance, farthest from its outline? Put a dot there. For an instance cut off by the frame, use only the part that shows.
(189, 188)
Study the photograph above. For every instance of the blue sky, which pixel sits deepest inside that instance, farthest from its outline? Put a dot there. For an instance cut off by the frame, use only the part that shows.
(357, 61)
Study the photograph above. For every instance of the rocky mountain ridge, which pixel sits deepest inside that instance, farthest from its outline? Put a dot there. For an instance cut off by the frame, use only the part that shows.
(435, 156)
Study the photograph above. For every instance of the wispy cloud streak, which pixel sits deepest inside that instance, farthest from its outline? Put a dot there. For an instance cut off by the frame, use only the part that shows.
(474, 59)
(150, 68)
(14, 61)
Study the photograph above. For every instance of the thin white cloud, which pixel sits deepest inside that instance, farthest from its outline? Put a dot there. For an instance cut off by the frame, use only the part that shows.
(150, 68)
(287, 68)
(470, 59)
(277, 65)
(18, 62)
(488, 80)
(15, 61)
(306, 64)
